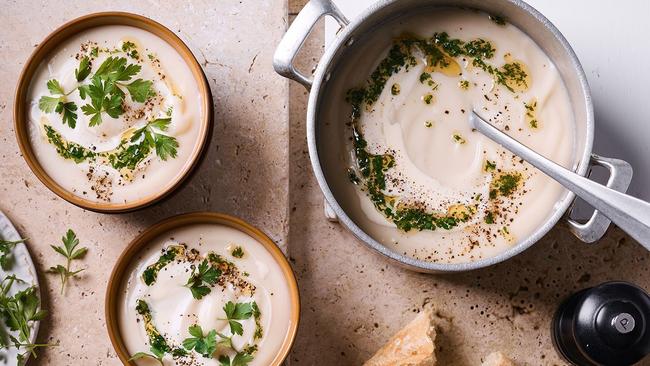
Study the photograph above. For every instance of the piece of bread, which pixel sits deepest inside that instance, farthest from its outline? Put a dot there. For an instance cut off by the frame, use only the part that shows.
(497, 359)
(414, 345)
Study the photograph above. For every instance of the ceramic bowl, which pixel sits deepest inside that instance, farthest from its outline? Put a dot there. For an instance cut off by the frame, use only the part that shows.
(49, 44)
(120, 272)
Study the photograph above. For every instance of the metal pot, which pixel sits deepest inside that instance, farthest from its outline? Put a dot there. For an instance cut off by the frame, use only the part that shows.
(340, 61)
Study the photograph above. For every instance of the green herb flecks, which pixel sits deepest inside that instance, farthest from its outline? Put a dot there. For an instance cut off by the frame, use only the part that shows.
(257, 314)
(202, 277)
(504, 184)
(157, 343)
(490, 166)
(169, 254)
(237, 252)
(67, 149)
(70, 252)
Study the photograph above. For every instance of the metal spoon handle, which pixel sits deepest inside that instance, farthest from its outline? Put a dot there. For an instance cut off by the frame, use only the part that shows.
(629, 213)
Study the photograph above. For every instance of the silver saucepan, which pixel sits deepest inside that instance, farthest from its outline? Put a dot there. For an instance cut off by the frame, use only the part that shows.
(326, 113)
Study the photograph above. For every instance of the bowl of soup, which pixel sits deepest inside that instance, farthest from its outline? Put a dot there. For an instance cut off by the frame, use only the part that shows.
(202, 289)
(389, 135)
(112, 112)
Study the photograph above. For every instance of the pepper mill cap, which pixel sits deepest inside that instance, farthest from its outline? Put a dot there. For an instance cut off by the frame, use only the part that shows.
(610, 323)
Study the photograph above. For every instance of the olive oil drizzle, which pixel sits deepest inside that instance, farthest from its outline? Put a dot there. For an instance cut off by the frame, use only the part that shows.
(439, 52)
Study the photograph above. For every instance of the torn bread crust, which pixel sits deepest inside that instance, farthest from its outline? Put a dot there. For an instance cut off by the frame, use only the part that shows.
(497, 359)
(414, 345)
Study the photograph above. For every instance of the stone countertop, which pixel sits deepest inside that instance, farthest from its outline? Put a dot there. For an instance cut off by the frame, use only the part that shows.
(354, 300)
(244, 172)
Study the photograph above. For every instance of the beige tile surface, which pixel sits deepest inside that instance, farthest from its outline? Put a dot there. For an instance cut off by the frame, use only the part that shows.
(354, 300)
(244, 172)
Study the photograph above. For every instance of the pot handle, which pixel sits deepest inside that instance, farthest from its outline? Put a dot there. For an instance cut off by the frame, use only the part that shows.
(620, 175)
(296, 35)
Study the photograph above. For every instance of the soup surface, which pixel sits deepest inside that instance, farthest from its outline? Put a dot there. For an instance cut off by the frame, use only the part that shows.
(205, 295)
(425, 183)
(115, 114)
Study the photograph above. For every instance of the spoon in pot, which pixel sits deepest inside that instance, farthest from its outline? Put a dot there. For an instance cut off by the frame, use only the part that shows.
(629, 213)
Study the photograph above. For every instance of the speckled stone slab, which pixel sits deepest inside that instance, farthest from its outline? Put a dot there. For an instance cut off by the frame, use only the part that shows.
(354, 300)
(244, 172)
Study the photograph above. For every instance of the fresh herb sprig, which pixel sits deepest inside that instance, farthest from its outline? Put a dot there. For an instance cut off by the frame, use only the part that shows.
(6, 248)
(235, 313)
(202, 278)
(105, 91)
(58, 103)
(240, 359)
(142, 142)
(70, 252)
(205, 345)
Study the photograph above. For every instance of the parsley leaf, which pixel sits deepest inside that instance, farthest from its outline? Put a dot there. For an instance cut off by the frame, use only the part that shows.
(84, 69)
(70, 252)
(68, 112)
(202, 277)
(144, 140)
(240, 359)
(104, 97)
(47, 104)
(205, 345)
(6, 246)
(235, 312)
(140, 90)
(54, 87)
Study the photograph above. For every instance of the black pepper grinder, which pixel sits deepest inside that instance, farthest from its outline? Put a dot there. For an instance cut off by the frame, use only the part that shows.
(604, 325)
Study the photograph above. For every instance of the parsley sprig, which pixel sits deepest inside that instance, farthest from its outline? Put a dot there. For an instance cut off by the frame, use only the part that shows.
(58, 103)
(240, 359)
(202, 278)
(235, 312)
(6, 247)
(105, 91)
(70, 252)
(142, 142)
(206, 345)
(20, 311)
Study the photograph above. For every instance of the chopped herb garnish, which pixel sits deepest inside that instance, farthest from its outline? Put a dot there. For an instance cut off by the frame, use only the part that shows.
(504, 184)
(490, 165)
(238, 252)
(428, 98)
(169, 254)
(458, 138)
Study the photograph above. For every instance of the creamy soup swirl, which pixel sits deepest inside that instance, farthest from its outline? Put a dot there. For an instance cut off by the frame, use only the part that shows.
(430, 186)
(205, 295)
(115, 114)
